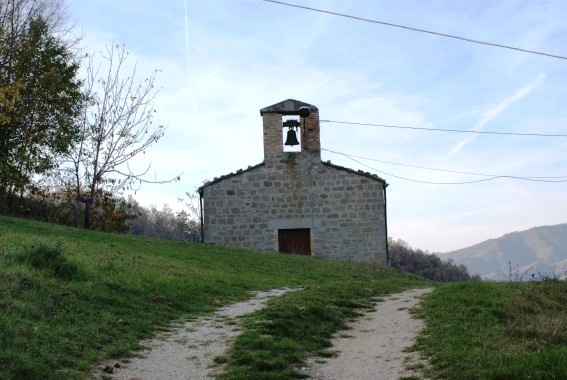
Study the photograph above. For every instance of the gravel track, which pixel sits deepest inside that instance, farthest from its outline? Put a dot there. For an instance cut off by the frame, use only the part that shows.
(187, 351)
(373, 347)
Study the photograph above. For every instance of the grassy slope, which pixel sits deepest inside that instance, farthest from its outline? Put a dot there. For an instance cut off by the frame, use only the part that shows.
(496, 330)
(124, 288)
(58, 324)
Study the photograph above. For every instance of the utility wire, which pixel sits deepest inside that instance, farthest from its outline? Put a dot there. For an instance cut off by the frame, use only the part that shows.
(445, 130)
(415, 29)
(490, 176)
(436, 169)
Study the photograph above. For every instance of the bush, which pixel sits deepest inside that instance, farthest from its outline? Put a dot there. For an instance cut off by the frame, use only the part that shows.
(50, 258)
(424, 264)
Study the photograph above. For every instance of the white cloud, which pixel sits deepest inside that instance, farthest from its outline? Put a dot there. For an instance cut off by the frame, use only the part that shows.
(497, 110)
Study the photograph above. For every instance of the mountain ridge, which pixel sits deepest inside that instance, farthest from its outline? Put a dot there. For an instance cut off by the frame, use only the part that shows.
(538, 251)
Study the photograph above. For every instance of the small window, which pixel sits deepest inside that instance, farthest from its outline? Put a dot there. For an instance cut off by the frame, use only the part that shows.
(297, 240)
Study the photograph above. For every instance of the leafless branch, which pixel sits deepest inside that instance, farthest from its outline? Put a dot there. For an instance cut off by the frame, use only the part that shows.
(116, 127)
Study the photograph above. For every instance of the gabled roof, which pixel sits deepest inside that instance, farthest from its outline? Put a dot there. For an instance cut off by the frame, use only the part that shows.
(229, 175)
(358, 172)
(288, 107)
(328, 163)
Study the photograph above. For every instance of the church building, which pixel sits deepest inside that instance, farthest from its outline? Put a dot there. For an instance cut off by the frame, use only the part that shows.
(292, 202)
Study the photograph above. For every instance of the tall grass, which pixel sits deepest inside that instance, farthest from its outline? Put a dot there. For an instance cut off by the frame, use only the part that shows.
(72, 298)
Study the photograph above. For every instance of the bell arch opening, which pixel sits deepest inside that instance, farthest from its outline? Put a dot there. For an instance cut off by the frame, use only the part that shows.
(291, 135)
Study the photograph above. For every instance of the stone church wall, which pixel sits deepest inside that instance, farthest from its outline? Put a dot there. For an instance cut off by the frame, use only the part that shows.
(344, 210)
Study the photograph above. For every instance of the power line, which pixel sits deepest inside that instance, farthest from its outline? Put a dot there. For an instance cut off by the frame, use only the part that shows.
(445, 130)
(490, 176)
(415, 29)
(437, 169)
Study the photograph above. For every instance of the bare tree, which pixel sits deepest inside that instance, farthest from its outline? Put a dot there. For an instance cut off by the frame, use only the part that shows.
(116, 126)
(163, 224)
(192, 203)
(15, 16)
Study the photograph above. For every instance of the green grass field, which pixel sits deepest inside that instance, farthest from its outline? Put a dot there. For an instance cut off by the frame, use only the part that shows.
(71, 299)
(507, 330)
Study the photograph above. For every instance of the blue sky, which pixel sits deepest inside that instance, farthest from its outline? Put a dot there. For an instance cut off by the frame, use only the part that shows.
(220, 62)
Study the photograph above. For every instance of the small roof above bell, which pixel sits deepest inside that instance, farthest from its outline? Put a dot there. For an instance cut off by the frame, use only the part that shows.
(288, 107)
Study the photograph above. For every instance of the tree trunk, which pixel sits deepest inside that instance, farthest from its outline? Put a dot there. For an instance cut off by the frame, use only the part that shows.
(88, 204)
(76, 213)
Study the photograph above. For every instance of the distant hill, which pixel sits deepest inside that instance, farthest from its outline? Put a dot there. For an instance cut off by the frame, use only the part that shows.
(539, 250)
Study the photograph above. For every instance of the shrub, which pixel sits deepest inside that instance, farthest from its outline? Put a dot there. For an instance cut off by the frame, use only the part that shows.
(50, 258)
(424, 264)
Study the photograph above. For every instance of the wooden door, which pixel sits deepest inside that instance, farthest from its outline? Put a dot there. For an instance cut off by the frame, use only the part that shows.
(297, 240)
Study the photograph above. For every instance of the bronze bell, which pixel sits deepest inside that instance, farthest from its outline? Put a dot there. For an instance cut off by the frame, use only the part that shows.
(291, 139)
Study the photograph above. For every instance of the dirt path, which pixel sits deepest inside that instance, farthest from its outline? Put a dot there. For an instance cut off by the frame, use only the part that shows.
(371, 349)
(374, 346)
(187, 351)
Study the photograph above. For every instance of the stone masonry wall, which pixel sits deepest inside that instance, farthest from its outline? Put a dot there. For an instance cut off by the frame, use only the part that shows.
(273, 138)
(344, 210)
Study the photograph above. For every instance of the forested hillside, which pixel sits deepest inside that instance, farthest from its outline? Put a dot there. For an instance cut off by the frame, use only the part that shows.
(425, 264)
